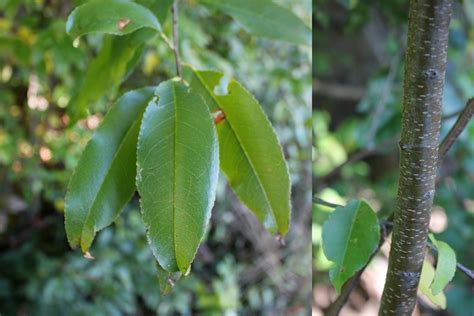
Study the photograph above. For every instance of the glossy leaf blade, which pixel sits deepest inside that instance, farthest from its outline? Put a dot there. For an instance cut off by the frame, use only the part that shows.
(350, 235)
(445, 266)
(264, 18)
(103, 181)
(250, 154)
(116, 58)
(118, 17)
(426, 278)
(178, 165)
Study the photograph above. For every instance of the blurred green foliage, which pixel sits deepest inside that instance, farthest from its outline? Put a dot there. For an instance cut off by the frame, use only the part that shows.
(360, 46)
(236, 271)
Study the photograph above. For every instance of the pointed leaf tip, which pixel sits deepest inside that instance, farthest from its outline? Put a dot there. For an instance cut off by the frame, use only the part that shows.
(104, 179)
(178, 167)
(250, 154)
(350, 235)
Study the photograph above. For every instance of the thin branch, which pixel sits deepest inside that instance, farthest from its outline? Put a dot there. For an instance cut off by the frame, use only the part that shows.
(174, 10)
(337, 305)
(462, 121)
(458, 127)
(319, 201)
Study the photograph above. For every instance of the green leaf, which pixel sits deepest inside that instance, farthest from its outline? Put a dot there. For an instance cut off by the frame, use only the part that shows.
(250, 154)
(118, 17)
(103, 181)
(161, 8)
(350, 235)
(266, 19)
(14, 48)
(426, 278)
(178, 165)
(166, 279)
(117, 57)
(445, 266)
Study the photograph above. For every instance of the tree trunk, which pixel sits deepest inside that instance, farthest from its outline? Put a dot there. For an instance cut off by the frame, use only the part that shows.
(428, 29)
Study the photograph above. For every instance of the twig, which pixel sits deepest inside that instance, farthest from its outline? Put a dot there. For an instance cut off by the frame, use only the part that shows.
(455, 131)
(319, 201)
(463, 268)
(337, 305)
(174, 10)
(463, 119)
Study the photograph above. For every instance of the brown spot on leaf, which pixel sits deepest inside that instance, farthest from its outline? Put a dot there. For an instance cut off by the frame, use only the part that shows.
(218, 115)
(122, 23)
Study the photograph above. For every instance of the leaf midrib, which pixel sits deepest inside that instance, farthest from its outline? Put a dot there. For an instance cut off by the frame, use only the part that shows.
(350, 231)
(174, 171)
(262, 187)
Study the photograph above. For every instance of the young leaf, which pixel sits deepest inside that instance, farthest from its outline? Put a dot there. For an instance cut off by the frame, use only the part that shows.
(118, 17)
(266, 19)
(445, 266)
(350, 236)
(250, 154)
(426, 278)
(103, 181)
(116, 58)
(178, 165)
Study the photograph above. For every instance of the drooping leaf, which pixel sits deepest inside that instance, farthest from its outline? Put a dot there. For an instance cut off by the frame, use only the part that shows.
(445, 265)
(177, 161)
(117, 57)
(266, 19)
(118, 17)
(350, 235)
(103, 181)
(250, 154)
(426, 279)
(160, 8)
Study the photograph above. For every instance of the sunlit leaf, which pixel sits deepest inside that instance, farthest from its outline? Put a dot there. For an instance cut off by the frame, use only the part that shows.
(350, 235)
(118, 17)
(103, 181)
(445, 265)
(250, 154)
(178, 165)
(266, 19)
(426, 279)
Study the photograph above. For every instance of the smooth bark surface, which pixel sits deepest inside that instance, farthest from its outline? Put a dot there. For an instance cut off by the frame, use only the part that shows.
(428, 29)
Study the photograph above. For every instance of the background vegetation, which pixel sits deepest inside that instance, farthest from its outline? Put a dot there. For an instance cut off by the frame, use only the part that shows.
(357, 86)
(239, 269)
